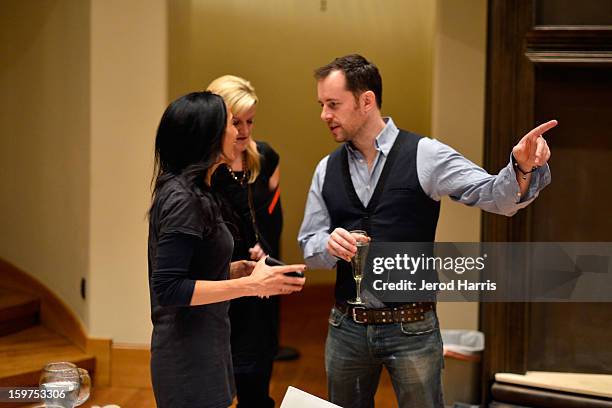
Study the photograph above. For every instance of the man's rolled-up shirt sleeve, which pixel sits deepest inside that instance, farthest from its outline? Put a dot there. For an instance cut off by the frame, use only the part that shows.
(314, 232)
(443, 171)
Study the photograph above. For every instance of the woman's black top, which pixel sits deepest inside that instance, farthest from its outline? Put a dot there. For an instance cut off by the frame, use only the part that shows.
(254, 321)
(190, 346)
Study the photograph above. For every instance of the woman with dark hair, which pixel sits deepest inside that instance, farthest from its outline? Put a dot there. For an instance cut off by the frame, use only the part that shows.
(190, 249)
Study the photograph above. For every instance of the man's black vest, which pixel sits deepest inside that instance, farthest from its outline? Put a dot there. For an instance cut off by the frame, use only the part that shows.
(399, 210)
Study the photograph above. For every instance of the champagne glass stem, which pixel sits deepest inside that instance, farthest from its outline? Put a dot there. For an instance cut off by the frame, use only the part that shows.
(358, 299)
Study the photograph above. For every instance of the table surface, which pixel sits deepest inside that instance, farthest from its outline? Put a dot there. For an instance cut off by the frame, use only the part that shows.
(598, 385)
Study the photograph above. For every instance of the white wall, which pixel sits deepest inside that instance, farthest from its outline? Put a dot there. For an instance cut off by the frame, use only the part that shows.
(128, 96)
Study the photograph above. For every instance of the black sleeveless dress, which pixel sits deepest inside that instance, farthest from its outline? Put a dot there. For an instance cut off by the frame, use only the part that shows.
(191, 362)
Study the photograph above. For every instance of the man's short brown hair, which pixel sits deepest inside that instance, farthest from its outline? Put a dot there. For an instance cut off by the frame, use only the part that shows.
(361, 75)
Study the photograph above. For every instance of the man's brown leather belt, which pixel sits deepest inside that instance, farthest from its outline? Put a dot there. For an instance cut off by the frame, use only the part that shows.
(406, 313)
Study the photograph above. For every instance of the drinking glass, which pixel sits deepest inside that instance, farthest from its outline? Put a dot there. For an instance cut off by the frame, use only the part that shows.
(65, 385)
(358, 263)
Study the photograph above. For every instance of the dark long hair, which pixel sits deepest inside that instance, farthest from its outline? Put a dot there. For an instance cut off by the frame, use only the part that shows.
(189, 140)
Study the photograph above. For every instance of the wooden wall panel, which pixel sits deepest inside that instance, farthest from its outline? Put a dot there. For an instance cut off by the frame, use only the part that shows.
(541, 68)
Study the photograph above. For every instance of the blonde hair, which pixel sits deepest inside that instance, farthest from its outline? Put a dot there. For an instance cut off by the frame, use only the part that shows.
(239, 95)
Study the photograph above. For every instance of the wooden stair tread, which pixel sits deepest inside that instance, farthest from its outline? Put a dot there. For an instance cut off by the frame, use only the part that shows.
(11, 300)
(12, 297)
(18, 311)
(23, 354)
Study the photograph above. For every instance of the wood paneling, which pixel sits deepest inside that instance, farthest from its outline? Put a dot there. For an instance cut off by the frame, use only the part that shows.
(569, 13)
(536, 73)
(130, 366)
(101, 350)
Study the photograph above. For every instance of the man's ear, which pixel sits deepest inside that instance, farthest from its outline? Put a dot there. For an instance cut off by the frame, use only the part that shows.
(368, 101)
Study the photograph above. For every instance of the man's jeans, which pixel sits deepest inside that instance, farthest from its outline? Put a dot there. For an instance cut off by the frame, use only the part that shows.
(411, 352)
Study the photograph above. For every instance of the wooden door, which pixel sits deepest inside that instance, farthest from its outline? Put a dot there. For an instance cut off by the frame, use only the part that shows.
(551, 59)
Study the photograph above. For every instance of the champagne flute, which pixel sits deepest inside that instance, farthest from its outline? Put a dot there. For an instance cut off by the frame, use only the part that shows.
(358, 263)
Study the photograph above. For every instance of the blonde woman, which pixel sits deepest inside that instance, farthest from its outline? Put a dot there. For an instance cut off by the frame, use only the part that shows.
(250, 187)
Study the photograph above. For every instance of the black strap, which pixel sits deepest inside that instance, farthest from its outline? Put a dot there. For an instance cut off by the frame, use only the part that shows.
(258, 237)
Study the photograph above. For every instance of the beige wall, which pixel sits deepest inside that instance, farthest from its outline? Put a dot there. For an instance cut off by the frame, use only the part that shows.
(44, 142)
(128, 96)
(458, 120)
(277, 44)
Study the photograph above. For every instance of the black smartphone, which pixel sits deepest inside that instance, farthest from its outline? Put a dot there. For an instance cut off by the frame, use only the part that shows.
(270, 261)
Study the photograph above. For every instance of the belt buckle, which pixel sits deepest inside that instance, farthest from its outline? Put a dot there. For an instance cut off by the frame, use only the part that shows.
(355, 314)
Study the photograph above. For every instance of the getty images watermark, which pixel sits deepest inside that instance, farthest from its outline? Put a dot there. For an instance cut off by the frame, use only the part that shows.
(404, 263)
(489, 272)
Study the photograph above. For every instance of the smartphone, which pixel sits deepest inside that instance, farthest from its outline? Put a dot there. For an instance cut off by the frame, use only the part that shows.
(270, 261)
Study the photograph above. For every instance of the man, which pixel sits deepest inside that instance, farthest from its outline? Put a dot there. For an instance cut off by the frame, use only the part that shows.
(389, 182)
